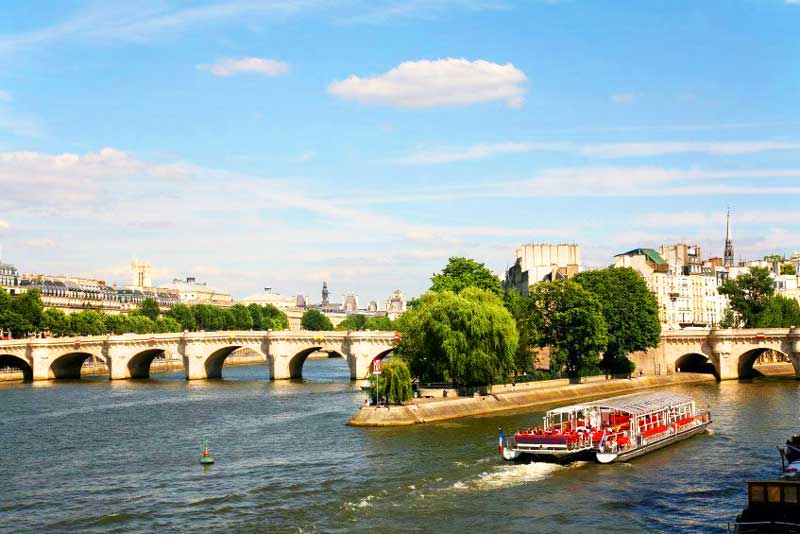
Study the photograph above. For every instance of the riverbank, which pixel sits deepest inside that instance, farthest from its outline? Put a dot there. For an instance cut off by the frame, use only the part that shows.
(431, 410)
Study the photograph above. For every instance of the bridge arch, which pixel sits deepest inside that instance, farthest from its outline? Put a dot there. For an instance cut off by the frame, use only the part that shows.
(139, 363)
(69, 365)
(216, 360)
(17, 362)
(695, 362)
(748, 358)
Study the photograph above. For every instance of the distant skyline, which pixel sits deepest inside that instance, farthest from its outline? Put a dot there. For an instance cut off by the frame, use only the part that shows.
(280, 143)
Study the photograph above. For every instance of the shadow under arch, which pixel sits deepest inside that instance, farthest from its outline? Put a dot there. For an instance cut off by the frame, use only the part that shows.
(748, 359)
(139, 364)
(297, 361)
(695, 363)
(69, 365)
(15, 362)
(216, 361)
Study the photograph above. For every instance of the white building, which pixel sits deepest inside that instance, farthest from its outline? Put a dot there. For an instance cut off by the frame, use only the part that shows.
(141, 274)
(269, 297)
(537, 262)
(191, 291)
(395, 305)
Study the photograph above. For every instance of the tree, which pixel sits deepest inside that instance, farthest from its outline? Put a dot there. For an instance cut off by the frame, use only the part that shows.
(149, 308)
(353, 322)
(315, 320)
(521, 309)
(140, 324)
(87, 323)
(571, 323)
(460, 273)
(273, 318)
(256, 316)
(630, 311)
(789, 269)
(242, 320)
(29, 306)
(379, 323)
(748, 294)
(394, 382)
(183, 314)
(728, 319)
(166, 325)
(779, 312)
(117, 324)
(207, 317)
(56, 322)
(467, 338)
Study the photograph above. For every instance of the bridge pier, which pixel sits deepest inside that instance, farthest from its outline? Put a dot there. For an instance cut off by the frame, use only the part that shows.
(40, 362)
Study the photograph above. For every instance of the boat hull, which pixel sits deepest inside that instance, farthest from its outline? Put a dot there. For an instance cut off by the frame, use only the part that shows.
(660, 444)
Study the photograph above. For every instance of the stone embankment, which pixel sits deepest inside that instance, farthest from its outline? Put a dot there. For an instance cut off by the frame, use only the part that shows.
(545, 393)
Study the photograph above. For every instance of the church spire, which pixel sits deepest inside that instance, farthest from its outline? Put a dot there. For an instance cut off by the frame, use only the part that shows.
(728, 256)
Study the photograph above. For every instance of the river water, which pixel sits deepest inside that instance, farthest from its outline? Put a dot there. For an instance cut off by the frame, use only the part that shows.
(100, 456)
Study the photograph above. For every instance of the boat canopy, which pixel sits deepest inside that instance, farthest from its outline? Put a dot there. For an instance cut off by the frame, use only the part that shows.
(635, 404)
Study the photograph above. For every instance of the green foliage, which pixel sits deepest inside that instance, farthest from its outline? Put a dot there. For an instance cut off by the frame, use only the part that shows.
(394, 383)
(467, 338)
(88, 323)
(464, 272)
(521, 309)
(140, 324)
(630, 311)
(273, 318)
(241, 317)
(165, 325)
(315, 320)
(117, 324)
(56, 322)
(29, 307)
(748, 295)
(789, 269)
(728, 319)
(379, 323)
(149, 308)
(571, 323)
(353, 322)
(207, 317)
(779, 312)
(183, 314)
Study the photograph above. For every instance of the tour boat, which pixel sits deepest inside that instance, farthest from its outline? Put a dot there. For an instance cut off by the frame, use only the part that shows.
(608, 430)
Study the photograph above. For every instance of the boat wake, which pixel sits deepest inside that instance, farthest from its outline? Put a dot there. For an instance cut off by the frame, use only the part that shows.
(513, 475)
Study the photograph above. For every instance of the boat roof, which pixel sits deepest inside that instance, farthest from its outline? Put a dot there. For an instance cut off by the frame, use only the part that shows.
(636, 403)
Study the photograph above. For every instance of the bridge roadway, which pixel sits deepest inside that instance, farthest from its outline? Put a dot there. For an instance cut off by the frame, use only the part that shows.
(729, 354)
(203, 353)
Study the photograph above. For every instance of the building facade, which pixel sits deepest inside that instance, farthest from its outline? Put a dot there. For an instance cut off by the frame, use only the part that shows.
(538, 262)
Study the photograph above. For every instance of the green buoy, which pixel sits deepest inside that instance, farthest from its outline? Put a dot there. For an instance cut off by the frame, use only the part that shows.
(206, 459)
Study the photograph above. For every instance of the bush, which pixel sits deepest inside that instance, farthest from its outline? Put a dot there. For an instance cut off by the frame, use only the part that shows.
(394, 382)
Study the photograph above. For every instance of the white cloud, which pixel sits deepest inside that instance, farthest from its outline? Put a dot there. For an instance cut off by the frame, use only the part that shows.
(5, 96)
(445, 155)
(4, 225)
(717, 148)
(625, 98)
(246, 65)
(444, 82)
(383, 11)
(40, 242)
(600, 150)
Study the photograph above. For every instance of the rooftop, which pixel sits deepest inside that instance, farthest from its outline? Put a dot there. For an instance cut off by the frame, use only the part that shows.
(634, 404)
(652, 255)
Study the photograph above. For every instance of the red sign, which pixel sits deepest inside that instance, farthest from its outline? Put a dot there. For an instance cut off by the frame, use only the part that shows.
(377, 364)
(77, 344)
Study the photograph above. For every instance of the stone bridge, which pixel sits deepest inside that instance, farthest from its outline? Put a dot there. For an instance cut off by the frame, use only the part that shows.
(203, 353)
(729, 354)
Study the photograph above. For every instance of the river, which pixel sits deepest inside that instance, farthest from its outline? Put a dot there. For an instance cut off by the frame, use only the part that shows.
(122, 456)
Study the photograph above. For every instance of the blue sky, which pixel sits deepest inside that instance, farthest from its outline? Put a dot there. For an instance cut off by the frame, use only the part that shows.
(282, 142)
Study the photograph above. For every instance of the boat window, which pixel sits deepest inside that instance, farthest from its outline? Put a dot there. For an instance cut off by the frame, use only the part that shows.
(756, 493)
(774, 493)
(790, 494)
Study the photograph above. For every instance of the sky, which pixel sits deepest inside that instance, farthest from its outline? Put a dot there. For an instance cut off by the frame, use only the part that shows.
(280, 143)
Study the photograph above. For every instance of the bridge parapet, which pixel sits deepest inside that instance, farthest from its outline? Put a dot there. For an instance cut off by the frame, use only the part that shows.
(203, 353)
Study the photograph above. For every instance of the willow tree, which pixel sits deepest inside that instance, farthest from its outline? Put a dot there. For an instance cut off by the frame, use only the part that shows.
(467, 338)
(394, 382)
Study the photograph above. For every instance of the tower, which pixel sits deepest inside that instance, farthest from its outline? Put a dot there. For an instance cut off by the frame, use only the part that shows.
(325, 294)
(141, 274)
(728, 255)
